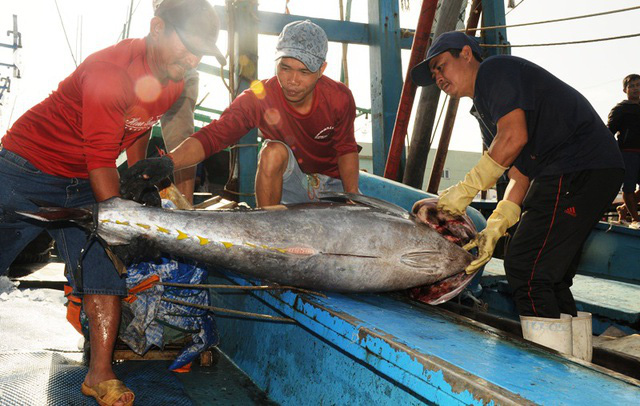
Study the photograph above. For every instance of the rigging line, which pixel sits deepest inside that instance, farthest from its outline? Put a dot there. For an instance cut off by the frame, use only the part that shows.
(514, 7)
(435, 128)
(65, 33)
(494, 27)
(585, 41)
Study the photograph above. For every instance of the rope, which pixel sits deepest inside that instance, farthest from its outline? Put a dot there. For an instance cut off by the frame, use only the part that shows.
(240, 287)
(222, 310)
(494, 27)
(559, 43)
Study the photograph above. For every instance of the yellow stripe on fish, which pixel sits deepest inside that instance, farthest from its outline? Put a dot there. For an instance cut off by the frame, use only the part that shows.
(163, 230)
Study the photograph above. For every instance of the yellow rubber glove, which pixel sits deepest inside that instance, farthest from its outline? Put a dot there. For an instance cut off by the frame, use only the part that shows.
(485, 174)
(504, 216)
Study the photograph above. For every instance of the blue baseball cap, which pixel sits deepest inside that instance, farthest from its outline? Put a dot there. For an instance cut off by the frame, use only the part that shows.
(304, 41)
(421, 74)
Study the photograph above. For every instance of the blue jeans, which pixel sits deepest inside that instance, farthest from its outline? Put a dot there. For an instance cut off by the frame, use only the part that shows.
(300, 187)
(21, 184)
(631, 171)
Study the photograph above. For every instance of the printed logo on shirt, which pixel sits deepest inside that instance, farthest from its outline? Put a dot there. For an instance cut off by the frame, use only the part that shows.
(571, 211)
(136, 124)
(324, 133)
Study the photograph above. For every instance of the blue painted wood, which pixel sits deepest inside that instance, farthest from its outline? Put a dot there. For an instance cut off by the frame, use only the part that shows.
(386, 76)
(337, 31)
(351, 349)
(247, 48)
(493, 15)
(405, 196)
(612, 251)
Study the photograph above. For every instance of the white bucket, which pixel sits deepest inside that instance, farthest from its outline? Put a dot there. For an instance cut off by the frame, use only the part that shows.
(582, 333)
(551, 333)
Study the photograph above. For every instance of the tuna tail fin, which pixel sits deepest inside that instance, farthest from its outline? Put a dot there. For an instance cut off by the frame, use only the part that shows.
(82, 216)
(366, 201)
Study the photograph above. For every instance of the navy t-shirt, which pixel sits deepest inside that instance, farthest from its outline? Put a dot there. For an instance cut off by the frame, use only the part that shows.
(565, 134)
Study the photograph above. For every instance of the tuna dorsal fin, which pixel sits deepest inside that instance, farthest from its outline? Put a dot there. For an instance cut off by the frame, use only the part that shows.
(420, 259)
(366, 201)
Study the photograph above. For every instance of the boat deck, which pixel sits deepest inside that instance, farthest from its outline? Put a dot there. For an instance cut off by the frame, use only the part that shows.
(41, 357)
(401, 352)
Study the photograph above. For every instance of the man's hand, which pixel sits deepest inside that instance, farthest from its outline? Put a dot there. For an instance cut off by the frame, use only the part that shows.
(454, 200)
(138, 182)
(504, 216)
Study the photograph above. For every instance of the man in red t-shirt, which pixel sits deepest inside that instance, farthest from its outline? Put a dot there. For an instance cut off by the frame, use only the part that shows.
(305, 118)
(64, 149)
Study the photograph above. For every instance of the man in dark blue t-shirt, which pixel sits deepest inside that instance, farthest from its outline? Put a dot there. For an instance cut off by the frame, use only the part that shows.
(564, 168)
(624, 122)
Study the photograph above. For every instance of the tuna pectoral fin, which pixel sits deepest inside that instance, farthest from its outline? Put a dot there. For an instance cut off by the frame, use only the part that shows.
(443, 290)
(420, 259)
(117, 263)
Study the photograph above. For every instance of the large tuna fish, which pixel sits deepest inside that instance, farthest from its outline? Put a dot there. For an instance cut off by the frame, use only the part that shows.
(366, 245)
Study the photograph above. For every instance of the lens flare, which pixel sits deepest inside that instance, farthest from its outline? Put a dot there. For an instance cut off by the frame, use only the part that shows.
(148, 89)
(272, 116)
(257, 87)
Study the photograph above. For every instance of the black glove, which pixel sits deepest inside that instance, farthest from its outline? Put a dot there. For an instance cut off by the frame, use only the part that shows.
(140, 249)
(138, 182)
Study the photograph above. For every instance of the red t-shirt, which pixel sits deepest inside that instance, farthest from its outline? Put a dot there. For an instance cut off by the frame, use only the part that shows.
(317, 138)
(110, 100)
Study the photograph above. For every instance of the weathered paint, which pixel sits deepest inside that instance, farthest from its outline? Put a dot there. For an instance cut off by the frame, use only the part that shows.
(412, 352)
(493, 15)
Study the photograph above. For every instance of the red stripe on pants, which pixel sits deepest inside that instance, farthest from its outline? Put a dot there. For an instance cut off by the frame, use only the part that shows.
(533, 270)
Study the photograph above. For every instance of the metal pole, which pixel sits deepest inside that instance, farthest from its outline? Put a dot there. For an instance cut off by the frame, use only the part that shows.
(418, 49)
(447, 19)
(386, 76)
(452, 111)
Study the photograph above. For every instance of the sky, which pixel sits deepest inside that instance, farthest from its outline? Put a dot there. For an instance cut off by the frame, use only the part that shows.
(595, 69)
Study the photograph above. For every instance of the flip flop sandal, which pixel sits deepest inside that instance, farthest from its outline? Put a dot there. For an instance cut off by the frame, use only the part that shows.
(107, 393)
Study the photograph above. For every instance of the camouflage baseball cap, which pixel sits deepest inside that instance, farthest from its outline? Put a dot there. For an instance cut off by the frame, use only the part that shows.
(304, 41)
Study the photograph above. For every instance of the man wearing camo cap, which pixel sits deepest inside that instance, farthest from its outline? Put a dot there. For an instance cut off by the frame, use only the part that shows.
(305, 118)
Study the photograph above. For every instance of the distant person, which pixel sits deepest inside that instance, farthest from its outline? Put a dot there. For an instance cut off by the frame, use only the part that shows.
(624, 123)
(564, 169)
(305, 118)
(177, 125)
(64, 149)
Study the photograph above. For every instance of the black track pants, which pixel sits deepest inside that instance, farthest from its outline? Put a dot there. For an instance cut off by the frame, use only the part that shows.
(558, 214)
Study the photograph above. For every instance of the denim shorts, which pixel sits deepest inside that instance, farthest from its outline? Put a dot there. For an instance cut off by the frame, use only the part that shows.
(631, 171)
(25, 188)
(300, 187)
